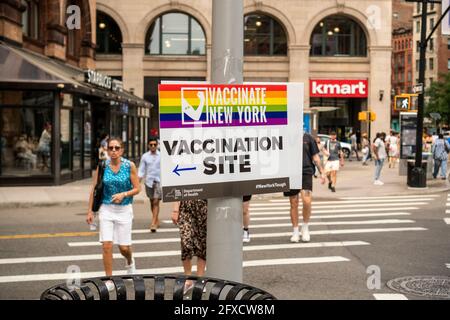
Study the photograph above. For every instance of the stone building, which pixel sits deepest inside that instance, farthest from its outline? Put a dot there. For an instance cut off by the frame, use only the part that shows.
(54, 106)
(331, 42)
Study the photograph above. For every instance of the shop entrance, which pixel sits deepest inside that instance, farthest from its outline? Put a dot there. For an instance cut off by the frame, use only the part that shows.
(339, 115)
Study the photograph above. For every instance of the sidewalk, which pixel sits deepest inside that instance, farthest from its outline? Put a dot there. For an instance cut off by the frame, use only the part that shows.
(354, 180)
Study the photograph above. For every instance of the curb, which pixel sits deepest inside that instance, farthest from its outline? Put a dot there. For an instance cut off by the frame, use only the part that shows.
(14, 205)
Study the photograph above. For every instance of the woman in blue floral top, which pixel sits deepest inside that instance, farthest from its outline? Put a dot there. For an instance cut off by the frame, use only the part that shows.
(120, 184)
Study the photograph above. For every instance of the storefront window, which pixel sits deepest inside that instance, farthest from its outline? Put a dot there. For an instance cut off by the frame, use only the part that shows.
(338, 36)
(65, 141)
(77, 139)
(130, 140)
(26, 135)
(87, 139)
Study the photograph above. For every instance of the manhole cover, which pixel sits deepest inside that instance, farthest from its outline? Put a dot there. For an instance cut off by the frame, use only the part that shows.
(425, 286)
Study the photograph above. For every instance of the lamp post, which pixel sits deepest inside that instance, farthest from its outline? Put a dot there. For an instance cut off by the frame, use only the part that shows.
(418, 174)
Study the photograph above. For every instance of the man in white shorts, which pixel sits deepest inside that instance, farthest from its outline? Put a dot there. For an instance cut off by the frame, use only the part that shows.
(335, 160)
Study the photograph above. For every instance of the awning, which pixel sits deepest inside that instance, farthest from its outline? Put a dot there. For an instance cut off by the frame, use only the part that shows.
(21, 68)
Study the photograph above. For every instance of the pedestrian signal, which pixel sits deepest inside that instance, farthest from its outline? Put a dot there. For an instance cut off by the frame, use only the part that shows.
(402, 103)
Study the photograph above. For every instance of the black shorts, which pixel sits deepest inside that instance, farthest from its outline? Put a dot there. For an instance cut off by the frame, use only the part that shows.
(246, 198)
(307, 184)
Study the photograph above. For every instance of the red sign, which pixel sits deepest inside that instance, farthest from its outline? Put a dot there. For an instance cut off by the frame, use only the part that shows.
(338, 88)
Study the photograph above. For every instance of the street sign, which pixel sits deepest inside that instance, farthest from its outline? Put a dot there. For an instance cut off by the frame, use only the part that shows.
(402, 103)
(418, 88)
(230, 140)
(435, 115)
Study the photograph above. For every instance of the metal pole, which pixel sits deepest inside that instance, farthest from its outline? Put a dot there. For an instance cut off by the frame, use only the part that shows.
(418, 171)
(224, 240)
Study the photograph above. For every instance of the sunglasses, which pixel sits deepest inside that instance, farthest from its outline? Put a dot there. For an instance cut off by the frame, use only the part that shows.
(152, 144)
(114, 148)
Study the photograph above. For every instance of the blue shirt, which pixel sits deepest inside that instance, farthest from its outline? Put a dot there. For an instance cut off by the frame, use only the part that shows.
(117, 182)
(439, 149)
(150, 167)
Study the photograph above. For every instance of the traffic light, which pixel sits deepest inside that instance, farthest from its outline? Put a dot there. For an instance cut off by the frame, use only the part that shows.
(362, 116)
(367, 116)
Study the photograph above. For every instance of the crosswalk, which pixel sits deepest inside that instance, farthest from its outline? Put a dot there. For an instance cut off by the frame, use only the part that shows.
(447, 209)
(343, 223)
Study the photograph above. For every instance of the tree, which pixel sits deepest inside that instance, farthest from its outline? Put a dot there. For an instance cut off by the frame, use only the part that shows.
(439, 98)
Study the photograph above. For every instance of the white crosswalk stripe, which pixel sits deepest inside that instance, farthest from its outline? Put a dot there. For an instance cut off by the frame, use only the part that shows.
(389, 296)
(357, 216)
(83, 275)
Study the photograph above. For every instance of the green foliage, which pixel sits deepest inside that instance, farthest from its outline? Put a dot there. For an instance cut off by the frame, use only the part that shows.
(439, 98)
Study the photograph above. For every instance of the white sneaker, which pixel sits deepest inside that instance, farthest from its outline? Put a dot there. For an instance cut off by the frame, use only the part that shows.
(378, 183)
(305, 233)
(295, 237)
(110, 285)
(131, 268)
(246, 236)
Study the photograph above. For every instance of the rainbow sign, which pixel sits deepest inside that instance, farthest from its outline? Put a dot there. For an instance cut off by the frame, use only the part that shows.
(189, 106)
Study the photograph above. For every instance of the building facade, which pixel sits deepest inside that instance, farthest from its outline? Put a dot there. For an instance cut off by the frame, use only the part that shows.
(402, 66)
(324, 44)
(438, 49)
(54, 106)
(402, 53)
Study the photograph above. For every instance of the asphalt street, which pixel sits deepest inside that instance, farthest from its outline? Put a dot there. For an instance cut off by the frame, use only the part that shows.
(404, 235)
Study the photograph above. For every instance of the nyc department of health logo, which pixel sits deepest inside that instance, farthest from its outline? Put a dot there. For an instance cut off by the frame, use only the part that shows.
(194, 105)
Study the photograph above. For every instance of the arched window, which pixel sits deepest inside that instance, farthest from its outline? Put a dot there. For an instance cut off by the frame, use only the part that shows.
(109, 37)
(175, 33)
(338, 36)
(263, 36)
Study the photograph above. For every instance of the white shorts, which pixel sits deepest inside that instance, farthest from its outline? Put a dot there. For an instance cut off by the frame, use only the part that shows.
(115, 223)
(332, 165)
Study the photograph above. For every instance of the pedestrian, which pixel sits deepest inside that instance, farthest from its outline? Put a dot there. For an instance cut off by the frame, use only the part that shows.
(392, 147)
(246, 217)
(335, 160)
(103, 149)
(44, 145)
(120, 184)
(191, 218)
(365, 149)
(310, 158)
(150, 168)
(379, 152)
(354, 146)
(440, 151)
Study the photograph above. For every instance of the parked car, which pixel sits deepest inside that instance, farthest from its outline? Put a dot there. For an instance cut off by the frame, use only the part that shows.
(346, 147)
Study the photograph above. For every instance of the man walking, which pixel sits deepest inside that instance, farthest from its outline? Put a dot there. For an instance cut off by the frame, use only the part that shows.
(379, 151)
(354, 142)
(150, 168)
(335, 160)
(440, 151)
(310, 157)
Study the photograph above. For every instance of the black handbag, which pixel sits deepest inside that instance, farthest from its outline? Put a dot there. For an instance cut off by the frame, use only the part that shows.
(98, 190)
